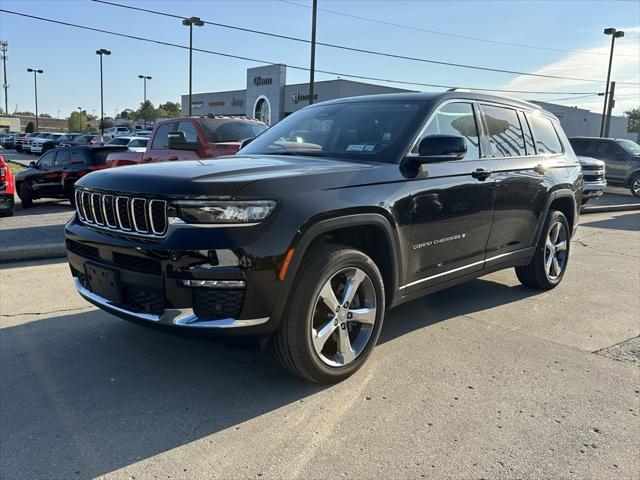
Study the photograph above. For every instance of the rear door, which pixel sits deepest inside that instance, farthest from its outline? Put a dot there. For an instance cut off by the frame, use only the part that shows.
(191, 134)
(451, 204)
(614, 157)
(158, 150)
(527, 154)
(43, 181)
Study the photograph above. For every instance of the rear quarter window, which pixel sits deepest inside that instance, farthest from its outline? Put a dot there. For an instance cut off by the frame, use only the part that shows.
(544, 134)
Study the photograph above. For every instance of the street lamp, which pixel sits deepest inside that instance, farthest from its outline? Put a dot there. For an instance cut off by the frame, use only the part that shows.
(144, 79)
(102, 52)
(190, 22)
(614, 34)
(35, 85)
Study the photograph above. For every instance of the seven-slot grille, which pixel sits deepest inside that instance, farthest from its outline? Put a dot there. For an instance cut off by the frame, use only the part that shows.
(122, 213)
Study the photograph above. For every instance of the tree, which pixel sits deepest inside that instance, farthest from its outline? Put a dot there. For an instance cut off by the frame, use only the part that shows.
(107, 123)
(169, 109)
(31, 127)
(77, 121)
(24, 114)
(128, 114)
(45, 115)
(633, 119)
(146, 111)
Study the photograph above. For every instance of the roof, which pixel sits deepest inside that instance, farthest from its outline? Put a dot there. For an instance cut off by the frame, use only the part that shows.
(438, 97)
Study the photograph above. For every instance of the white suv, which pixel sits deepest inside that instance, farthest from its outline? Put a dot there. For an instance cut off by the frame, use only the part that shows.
(118, 132)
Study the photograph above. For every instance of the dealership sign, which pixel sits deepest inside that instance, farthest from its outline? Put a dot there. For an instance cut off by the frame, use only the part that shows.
(298, 97)
(259, 81)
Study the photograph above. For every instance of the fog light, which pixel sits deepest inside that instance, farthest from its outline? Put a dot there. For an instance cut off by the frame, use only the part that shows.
(214, 283)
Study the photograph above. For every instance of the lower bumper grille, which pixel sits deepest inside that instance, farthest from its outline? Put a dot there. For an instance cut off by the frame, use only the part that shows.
(141, 299)
(216, 304)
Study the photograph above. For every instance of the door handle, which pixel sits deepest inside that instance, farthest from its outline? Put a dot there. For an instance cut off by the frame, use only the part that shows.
(173, 158)
(481, 174)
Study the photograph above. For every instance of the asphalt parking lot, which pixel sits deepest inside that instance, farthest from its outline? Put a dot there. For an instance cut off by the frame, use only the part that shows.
(485, 380)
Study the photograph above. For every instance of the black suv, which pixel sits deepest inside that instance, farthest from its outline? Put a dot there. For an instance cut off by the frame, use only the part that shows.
(621, 156)
(56, 172)
(335, 214)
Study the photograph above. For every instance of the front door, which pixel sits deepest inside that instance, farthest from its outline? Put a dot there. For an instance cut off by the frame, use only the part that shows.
(159, 144)
(614, 158)
(452, 204)
(43, 181)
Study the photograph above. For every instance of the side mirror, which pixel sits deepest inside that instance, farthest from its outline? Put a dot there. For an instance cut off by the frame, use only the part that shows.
(33, 165)
(177, 141)
(246, 142)
(440, 148)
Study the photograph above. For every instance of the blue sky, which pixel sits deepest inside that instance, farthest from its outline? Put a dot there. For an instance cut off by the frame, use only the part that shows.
(71, 77)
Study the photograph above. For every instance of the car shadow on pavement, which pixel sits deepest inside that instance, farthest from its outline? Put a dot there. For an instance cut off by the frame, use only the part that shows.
(85, 394)
(629, 221)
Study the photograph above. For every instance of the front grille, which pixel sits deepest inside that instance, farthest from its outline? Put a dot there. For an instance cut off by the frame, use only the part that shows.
(141, 299)
(83, 250)
(122, 213)
(217, 304)
(593, 175)
(140, 264)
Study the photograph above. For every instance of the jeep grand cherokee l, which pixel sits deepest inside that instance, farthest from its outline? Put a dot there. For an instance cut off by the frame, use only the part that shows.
(332, 216)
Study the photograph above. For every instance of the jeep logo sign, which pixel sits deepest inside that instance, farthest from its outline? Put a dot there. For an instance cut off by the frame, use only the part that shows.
(258, 81)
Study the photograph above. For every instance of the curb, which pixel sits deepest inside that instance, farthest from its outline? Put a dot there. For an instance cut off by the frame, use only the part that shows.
(34, 252)
(610, 208)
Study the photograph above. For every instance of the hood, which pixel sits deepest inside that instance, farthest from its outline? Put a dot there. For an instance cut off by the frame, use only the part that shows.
(218, 177)
(590, 162)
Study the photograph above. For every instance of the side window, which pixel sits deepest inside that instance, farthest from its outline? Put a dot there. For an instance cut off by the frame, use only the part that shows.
(47, 160)
(504, 131)
(605, 150)
(454, 119)
(528, 136)
(76, 156)
(63, 157)
(189, 130)
(547, 141)
(161, 138)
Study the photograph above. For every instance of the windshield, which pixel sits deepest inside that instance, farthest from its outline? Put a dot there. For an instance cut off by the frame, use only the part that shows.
(224, 130)
(64, 138)
(632, 147)
(139, 142)
(84, 138)
(369, 131)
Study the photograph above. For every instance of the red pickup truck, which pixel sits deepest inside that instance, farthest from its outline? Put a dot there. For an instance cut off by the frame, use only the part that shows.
(198, 137)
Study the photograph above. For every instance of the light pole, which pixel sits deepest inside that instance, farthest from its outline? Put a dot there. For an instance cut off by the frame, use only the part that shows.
(312, 67)
(144, 80)
(190, 22)
(35, 86)
(4, 46)
(614, 34)
(102, 52)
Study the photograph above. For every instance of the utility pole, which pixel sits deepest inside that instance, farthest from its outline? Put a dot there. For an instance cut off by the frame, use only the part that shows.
(312, 67)
(4, 45)
(190, 22)
(614, 34)
(610, 105)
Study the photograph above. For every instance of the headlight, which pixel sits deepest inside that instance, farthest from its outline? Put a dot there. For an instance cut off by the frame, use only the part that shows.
(225, 212)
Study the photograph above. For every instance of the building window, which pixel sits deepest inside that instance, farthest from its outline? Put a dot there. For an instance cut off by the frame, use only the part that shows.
(262, 110)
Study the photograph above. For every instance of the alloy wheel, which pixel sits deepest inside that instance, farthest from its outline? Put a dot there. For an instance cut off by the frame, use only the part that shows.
(635, 186)
(555, 251)
(344, 316)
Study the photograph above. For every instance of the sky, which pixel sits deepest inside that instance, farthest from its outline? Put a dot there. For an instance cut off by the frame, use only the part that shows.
(71, 78)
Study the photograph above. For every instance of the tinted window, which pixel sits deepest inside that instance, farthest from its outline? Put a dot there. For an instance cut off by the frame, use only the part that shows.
(220, 130)
(454, 119)
(605, 150)
(528, 136)
(62, 157)
(632, 147)
(504, 131)
(76, 156)
(581, 147)
(138, 143)
(100, 156)
(545, 135)
(189, 131)
(119, 141)
(372, 131)
(161, 138)
(47, 160)
(84, 138)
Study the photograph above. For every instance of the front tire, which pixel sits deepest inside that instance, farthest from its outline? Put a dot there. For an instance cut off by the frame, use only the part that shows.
(334, 316)
(549, 262)
(634, 185)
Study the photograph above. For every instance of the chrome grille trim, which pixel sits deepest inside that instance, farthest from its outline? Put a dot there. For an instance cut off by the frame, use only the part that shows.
(133, 215)
(94, 209)
(155, 230)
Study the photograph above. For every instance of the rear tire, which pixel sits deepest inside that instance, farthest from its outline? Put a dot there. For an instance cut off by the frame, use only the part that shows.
(549, 262)
(328, 344)
(634, 185)
(26, 196)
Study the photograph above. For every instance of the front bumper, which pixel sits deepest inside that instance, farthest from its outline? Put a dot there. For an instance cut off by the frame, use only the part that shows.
(593, 189)
(150, 277)
(36, 148)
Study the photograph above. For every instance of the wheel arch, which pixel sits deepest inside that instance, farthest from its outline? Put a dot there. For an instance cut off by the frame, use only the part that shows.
(563, 200)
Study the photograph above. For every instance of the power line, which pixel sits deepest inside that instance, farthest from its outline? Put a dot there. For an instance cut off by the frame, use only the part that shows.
(268, 62)
(448, 34)
(361, 50)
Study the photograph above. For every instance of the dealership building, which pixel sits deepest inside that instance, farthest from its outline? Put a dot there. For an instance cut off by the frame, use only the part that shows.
(267, 97)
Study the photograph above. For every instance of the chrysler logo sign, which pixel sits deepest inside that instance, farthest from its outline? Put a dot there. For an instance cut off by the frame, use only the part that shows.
(258, 81)
(298, 97)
